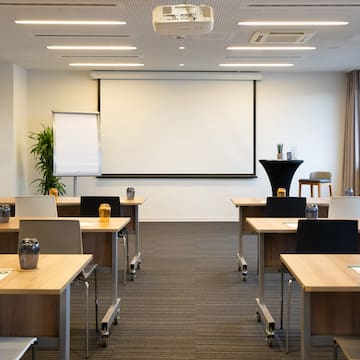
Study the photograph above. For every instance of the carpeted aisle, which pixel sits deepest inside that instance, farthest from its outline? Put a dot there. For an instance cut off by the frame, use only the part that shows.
(189, 302)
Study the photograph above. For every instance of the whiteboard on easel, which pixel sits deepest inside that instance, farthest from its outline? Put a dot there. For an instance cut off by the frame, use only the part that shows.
(76, 144)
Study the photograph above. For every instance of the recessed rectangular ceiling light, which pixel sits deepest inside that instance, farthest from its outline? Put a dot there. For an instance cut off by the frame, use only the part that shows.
(69, 22)
(292, 23)
(256, 65)
(271, 48)
(70, 47)
(106, 64)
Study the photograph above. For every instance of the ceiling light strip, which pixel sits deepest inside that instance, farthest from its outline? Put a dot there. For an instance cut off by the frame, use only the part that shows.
(69, 22)
(271, 48)
(257, 65)
(303, 5)
(292, 23)
(106, 64)
(88, 47)
(84, 35)
(57, 4)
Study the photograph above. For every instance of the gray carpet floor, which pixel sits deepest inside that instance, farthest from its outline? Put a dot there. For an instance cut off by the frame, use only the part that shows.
(189, 302)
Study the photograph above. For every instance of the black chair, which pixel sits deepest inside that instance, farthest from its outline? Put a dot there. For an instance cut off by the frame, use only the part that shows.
(89, 207)
(324, 236)
(285, 207)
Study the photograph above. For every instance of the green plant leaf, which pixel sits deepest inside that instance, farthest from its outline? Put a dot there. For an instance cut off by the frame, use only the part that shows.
(43, 151)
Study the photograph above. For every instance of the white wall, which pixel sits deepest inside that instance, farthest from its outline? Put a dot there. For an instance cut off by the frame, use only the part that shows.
(305, 111)
(20, 130)
(13, 126)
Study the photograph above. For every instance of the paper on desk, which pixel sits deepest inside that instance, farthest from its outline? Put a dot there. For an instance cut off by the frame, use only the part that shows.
(292, 225)
(356, 268)
(4, 273)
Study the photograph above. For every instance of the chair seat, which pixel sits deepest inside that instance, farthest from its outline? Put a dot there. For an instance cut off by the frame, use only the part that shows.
(317, 183)
(314, 181)
(350, 346)
(14, 348)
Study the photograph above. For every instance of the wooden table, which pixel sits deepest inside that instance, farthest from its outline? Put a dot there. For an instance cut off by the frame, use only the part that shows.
(70, 206)
(99, 239)
(255, 207)
(330, 295)
(37, 302)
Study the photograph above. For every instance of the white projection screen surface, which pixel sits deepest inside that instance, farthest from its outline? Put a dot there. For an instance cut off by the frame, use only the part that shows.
(76, 144)
(172, 128)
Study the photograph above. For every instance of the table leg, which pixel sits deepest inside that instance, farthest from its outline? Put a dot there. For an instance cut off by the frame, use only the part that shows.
(112, 314)
(262, 309)
(136, 260)
(64, 324)
(240, 255)
(306, 326)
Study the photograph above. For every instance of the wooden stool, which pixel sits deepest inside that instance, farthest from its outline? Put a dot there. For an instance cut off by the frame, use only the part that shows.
(349, 345)
(317, 178)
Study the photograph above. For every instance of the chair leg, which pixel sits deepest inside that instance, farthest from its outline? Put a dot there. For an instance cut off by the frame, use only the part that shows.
(125, 258)
(330, 189)
(96, 303)
(335, 350)
(311, 190)
(87, 320)
(300, 189)
(282, 300)
(33, 352)
(319, 190)
(288, 317)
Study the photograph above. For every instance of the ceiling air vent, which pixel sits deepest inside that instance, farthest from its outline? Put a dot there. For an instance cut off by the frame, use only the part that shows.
(281, 37)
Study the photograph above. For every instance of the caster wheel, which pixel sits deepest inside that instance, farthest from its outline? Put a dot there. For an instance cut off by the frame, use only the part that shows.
(258, 317)
(270, 340)
(244, 277)
(104, 341)
(138, 265)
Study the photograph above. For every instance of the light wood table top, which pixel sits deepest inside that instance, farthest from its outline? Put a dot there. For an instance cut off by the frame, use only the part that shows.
(50, 277)
(324, 272)
(74, 200)
(258, 201)
(87, 224)
(273, 225)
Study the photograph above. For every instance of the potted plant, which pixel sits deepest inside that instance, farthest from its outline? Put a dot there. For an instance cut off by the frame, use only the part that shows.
(43, 150)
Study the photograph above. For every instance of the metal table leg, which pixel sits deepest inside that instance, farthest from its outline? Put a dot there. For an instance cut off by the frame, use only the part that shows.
(262, 310)
(113, 313)
(240, 258)
(136, 260)
(64, 324)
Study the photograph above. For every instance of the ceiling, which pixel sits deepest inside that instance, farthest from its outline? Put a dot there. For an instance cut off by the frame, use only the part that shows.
(337, 48)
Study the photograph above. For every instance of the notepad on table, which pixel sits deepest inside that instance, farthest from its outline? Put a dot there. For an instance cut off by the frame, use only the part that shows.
(355, 267)
(4, 273)
(292, 225)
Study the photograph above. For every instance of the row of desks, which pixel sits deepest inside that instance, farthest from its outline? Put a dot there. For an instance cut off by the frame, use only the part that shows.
(70, 206)
(99, 239)
(37, 303)
(330, 287)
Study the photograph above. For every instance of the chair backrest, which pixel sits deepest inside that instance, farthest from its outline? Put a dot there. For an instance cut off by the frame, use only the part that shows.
(89, 205)
(323, 175)
(344, 207)
(285, 207)
(327, 236)
(36, 206)
(55, 236)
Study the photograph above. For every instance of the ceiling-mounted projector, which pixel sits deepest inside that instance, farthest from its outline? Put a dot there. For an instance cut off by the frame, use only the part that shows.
(183, 19)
